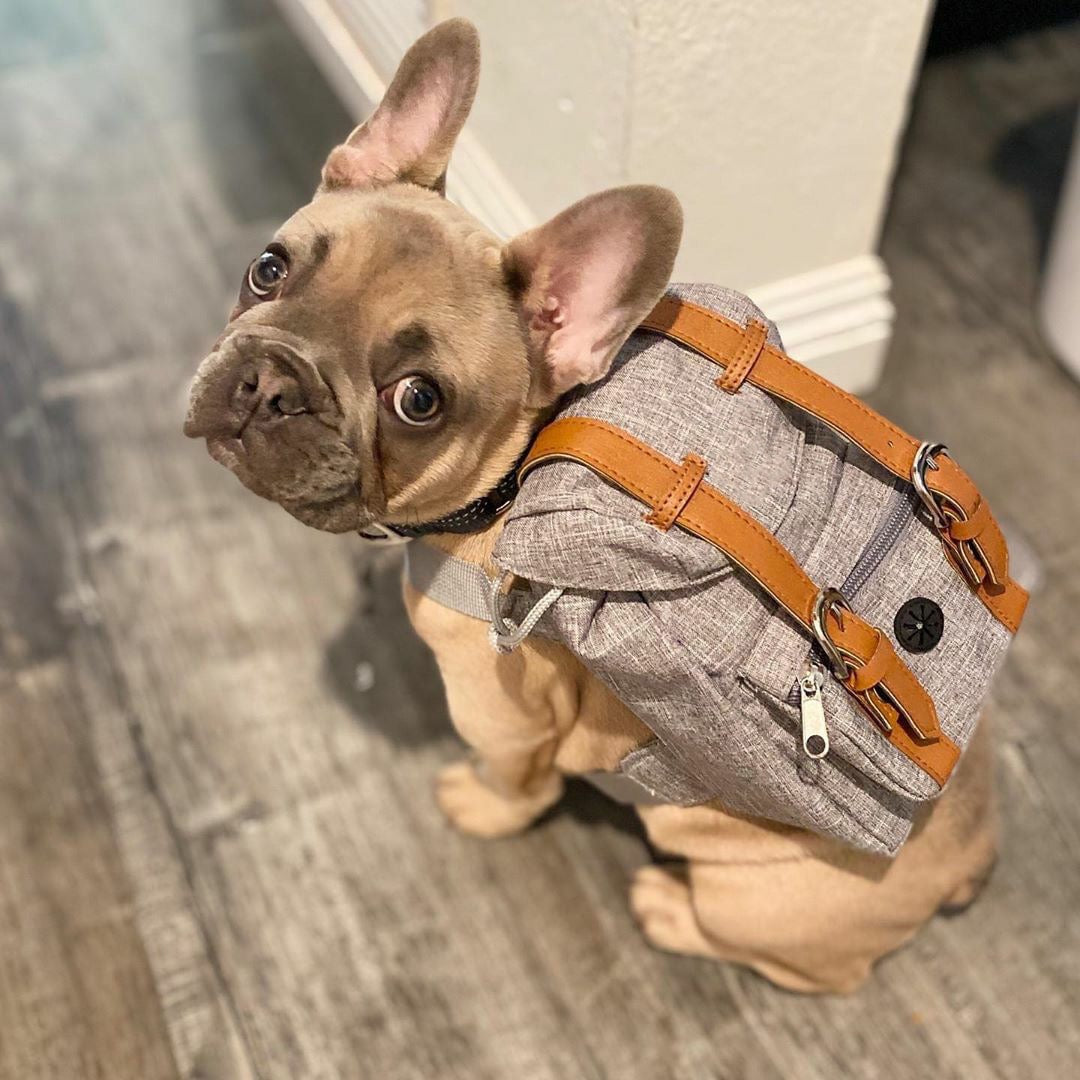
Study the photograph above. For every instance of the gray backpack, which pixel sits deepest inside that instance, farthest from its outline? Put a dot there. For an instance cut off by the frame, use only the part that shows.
(804, 604)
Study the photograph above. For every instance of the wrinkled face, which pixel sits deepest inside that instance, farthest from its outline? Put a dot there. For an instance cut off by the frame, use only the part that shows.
(389, 358)
(375, 367)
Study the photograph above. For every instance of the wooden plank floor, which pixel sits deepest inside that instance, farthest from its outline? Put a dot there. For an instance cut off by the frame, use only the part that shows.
(219, 857)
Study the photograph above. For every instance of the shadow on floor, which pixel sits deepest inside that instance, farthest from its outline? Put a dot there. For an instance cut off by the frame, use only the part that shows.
(387, 678)
(588, 806)
(377, 666)
(1033, 158)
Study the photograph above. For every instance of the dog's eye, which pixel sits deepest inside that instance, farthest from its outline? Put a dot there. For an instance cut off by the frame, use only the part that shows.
(267, 272)
(417, 400)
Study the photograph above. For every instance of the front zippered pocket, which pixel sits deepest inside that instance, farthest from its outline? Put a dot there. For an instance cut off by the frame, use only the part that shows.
(900, 509)
(815, 731)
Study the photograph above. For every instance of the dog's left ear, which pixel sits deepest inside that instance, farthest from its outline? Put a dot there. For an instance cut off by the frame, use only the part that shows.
(410, 135)
(587, 278)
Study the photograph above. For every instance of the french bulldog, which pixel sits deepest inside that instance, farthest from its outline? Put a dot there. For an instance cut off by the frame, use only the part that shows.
(389, 360)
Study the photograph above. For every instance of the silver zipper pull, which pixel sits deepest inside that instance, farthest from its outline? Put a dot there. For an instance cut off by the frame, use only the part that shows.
(815, 735)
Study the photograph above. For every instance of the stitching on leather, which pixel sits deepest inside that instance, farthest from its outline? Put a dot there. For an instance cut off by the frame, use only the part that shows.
(999, 612)
(753, 567)
(875, 417)
(915, 752)
(992, 603)
(675, 496)
(712, 495)
(753, 344)
(813, 376)
(692, 473)
(964, 481)
(733, 375)
(704, 490)
(912, 750)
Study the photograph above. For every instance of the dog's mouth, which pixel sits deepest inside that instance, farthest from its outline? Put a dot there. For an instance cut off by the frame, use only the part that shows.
(228, 451)
(323, 493)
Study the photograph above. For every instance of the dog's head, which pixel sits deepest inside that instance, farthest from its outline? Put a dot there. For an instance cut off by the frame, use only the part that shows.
(389, 358)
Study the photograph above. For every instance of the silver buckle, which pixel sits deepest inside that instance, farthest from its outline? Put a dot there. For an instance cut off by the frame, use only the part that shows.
(939, 508)
(924, 459)
(377, 533)
(828, 600)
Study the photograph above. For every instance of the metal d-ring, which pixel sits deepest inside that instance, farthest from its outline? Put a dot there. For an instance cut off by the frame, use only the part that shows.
(924, 459)
(827, 601)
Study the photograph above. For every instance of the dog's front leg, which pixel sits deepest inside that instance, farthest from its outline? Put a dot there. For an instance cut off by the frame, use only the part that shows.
(511, 709)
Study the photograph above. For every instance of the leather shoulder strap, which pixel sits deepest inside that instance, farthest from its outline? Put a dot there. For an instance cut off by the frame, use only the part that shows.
(882, 685)
(972, 539)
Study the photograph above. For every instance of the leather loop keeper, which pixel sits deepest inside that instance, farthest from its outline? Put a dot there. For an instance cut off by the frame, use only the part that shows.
(691, 473)
(973, 526)
(875, 668)
(753, 341)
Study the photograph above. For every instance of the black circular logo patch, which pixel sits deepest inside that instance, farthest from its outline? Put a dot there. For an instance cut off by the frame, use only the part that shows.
(919, 624)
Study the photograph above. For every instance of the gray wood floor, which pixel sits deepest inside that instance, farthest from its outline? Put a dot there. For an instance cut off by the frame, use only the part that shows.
(219, 857)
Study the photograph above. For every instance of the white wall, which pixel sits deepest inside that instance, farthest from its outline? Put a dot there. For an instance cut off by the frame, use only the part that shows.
(555, 103)
(779, 121)
(775, 121)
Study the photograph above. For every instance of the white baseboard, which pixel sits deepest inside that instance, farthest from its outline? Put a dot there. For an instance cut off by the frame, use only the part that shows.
(837, 319)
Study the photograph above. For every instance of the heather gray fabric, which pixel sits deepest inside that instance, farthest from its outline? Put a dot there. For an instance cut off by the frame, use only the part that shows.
(694, 647)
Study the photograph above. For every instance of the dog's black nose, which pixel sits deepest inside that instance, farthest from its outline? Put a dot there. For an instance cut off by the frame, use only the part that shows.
(268, 391)
(248, 380)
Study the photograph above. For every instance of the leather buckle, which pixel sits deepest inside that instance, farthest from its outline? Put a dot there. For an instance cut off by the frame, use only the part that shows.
(876, 700)
(966, 555)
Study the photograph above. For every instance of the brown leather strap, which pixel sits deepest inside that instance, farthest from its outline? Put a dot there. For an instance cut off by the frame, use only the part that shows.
(666, 512)
(973, 540)
(880, 682)
(754, 339)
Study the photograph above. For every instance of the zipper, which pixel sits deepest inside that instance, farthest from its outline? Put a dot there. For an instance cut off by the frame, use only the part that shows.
(900, 509)
(815, 733)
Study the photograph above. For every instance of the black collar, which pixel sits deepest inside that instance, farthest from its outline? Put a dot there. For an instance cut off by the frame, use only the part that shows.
(474, 517)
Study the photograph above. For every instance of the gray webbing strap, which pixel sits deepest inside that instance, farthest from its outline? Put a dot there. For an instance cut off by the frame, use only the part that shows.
(463, 586)
(454, 583)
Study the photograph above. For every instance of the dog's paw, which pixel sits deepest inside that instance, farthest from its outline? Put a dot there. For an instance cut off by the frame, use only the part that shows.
(662, 907)
(477, 809)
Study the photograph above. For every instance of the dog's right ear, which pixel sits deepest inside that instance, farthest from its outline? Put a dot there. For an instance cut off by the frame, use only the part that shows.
(583, 281)
(410, 135)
